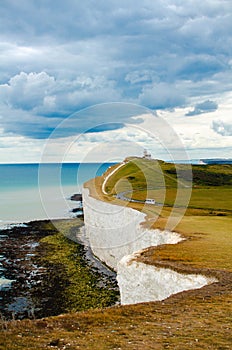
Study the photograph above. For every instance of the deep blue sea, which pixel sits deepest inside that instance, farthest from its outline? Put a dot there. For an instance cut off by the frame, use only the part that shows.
(42, 191)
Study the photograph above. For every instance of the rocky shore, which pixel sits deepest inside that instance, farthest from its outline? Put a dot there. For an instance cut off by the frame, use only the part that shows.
(49, 273)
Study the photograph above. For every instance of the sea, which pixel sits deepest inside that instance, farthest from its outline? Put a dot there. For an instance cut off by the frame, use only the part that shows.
(42, 191)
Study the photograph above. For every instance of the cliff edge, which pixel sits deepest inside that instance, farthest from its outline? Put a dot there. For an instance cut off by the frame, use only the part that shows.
(118, 236)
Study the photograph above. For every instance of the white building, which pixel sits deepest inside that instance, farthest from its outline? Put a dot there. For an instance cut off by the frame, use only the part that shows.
(146, 154)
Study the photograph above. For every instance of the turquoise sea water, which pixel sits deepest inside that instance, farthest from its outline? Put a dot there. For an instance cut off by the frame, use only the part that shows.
(40, 191)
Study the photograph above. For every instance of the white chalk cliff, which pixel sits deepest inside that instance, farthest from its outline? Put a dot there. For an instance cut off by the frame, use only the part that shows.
(115, 235)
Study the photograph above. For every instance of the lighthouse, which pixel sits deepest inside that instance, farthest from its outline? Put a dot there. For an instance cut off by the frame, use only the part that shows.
(146, 154)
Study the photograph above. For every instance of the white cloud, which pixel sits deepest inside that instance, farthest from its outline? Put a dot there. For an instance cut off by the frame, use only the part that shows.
(204, 136)
(221, 128)
(27, 91)
(19, 149)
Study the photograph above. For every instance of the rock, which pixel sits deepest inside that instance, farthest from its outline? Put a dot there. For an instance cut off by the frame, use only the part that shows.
(76, 197)
(77, 210)
(54, 342)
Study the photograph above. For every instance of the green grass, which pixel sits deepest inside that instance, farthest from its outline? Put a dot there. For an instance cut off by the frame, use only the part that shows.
(79, 284)
(208, 245)
(206, 175)
(158, 180)
(215, 198)
(142, 174)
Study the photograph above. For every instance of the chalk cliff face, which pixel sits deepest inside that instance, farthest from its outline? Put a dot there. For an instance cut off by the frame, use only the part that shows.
(114, 231)
(116, 235)
(140, 283)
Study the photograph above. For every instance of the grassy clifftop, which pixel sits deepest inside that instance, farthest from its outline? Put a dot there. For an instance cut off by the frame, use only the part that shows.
(143, 173)
(207, 221)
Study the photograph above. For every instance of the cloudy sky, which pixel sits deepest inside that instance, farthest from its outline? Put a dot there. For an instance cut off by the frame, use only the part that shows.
(60, 58)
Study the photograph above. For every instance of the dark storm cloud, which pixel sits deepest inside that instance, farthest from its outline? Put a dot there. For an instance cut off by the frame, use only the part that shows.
(204, 107)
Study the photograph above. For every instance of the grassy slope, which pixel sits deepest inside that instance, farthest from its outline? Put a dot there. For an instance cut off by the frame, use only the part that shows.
(199, 319)
(207, 223)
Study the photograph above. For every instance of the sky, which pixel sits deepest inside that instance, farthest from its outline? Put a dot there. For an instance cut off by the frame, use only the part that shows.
(100, 80)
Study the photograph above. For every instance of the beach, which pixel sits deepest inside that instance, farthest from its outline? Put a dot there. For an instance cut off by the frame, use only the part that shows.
(39, 285)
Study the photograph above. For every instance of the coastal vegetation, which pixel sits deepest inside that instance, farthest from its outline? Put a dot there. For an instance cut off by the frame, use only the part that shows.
(82, 287)
(195, 319)
(52, 274)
